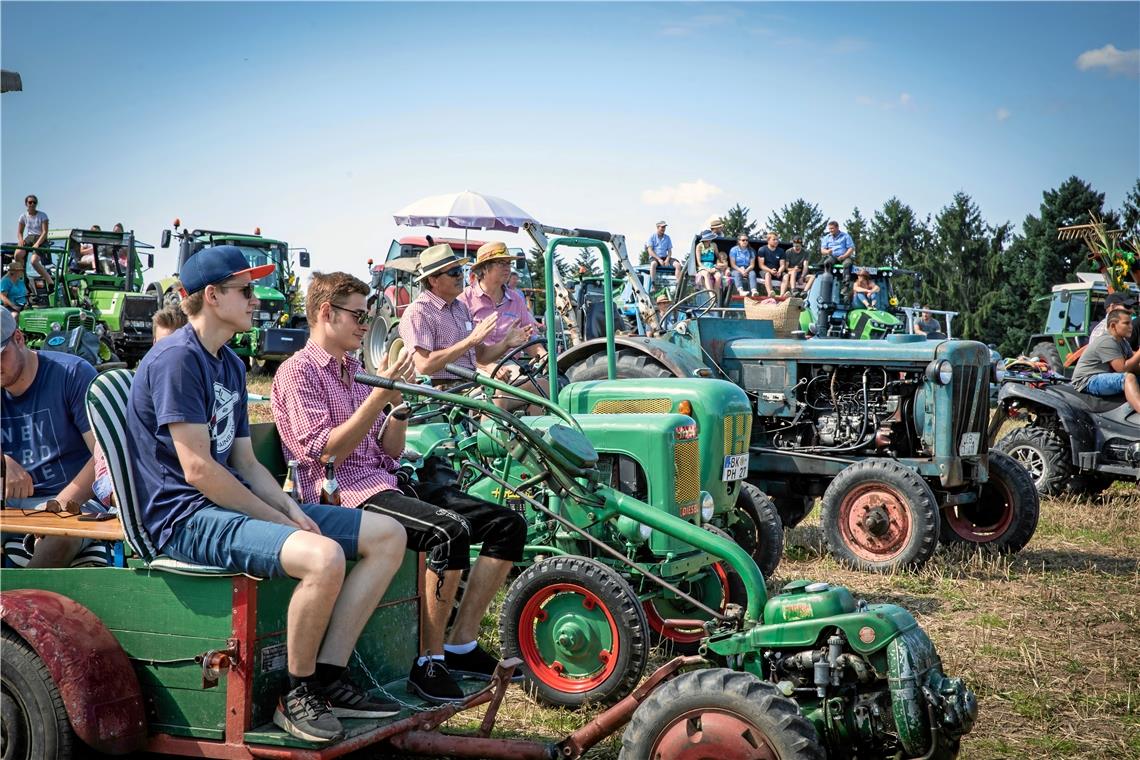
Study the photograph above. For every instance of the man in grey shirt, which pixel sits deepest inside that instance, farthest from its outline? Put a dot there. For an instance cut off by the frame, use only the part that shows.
(1108, 366)
(1113, 302)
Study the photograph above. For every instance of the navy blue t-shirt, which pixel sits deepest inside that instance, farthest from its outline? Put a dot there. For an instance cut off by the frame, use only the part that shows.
(180, 381)
(771, 257)
(42, 429)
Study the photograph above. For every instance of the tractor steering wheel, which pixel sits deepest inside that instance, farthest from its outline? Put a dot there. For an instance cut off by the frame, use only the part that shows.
(700, 311)
(527, 367)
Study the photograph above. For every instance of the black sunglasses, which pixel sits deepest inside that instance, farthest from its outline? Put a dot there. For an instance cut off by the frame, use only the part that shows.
(454, 272)
(245, 290)
(361, 317)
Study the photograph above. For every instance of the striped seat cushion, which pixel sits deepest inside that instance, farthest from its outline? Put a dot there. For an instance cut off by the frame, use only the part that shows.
(107, 400)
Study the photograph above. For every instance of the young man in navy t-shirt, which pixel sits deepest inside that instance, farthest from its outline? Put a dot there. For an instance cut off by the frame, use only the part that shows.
(46, 437)
(208, 501)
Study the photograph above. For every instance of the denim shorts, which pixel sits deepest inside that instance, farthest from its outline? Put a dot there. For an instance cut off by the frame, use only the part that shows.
(225, 538)
(1106, 384)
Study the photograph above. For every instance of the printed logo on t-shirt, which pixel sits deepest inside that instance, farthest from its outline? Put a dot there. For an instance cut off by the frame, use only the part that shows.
(32, 441)
(223, 426)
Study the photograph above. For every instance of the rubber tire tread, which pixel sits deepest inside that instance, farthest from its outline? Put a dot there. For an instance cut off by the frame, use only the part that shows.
(622, 602)
(51, 737)
(1026, 508)
(1054, 453)
(630, 365)
(790, 734)
(924, 514)
(769, 527)
(1047, 350)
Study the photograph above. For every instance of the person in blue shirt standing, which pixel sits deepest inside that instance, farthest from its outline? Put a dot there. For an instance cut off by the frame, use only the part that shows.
(660, 250)
(742, 263)
(840, 247)
(208, 501)
(47, 442)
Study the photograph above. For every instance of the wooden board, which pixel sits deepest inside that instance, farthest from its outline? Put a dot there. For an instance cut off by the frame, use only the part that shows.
(51, 524)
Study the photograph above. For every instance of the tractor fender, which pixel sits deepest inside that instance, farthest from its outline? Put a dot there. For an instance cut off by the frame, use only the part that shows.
(96, 681)
(1074, 422)
(679, 362)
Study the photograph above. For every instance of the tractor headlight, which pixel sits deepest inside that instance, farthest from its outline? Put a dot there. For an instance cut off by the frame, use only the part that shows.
(940, 371)
(707, 506)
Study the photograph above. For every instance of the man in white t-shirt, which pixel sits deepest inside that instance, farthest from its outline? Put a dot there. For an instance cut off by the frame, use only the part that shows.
(32, 230)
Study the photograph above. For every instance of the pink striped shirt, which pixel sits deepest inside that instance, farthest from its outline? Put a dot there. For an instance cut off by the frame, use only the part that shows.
(312, 394)
(432, 323)
(513, 307)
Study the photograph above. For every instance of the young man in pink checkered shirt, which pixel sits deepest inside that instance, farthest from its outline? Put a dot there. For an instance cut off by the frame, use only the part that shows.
(321, 412)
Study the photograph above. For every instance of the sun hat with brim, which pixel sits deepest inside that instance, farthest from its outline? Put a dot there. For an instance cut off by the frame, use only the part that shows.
(7, 327)
(210, 266)
(438, 259)
(489, 252)
(707, 237)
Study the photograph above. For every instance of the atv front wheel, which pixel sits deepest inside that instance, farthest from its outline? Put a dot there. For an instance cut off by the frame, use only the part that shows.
(719, 713)
(879, 515)
(579, 629)
(1005, 515)
(1041, 452)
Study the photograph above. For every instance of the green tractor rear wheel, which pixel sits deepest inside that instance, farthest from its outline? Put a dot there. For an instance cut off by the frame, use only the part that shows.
(33, 721)
(578, 628)
(719, 713)
(879, 515)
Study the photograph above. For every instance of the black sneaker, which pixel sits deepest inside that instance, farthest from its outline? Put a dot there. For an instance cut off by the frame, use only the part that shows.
(477, 663)
(433, 682)
(348, 700)
(306, 714)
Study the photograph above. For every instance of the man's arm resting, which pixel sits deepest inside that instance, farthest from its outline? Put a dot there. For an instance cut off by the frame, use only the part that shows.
(216, 483)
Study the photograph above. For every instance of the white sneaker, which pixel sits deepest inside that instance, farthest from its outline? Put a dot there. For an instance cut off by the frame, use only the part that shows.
(755, 294)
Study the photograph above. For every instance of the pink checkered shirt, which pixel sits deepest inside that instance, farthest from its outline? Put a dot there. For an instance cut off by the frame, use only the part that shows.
(431, 323)
(310, 398)
(512, 307)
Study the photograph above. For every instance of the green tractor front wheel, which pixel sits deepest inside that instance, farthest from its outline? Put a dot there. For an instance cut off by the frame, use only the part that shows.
(719, 713)
(758, 529)
(578, 628)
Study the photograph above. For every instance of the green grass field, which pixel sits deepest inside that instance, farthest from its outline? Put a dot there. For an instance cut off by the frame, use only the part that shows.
(1049, 639)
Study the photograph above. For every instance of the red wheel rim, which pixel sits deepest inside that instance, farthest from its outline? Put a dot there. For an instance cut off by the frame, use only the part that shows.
(686, 635)
(987, 520)
(535, 622)
(874, 521)
(700, 734)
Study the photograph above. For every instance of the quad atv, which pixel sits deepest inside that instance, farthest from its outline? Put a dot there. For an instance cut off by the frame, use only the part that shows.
(1073, 441)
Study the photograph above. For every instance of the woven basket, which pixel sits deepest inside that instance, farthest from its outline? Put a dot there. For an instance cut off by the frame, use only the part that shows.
(784, 316)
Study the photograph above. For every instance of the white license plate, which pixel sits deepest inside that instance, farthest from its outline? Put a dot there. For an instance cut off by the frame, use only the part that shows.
(968, 446)
(735, 467)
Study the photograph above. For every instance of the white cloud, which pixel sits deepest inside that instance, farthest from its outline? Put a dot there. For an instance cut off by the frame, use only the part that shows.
(685, 27)
(1126, 62)
(904, 99)
(1003, 113)
(904, 102)
(681, 194)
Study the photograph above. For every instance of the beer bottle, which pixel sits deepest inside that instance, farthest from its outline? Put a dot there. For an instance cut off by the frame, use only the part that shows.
(330, 490)
(291, 486)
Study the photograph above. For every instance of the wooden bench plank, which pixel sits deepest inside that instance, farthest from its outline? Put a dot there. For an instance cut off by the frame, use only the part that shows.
(49, 524)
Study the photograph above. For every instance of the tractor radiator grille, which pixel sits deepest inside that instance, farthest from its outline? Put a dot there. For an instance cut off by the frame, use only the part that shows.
(687, 471)
(634, 406)
(136, 307)
(33, 323)
(737, 430)
(971, 404)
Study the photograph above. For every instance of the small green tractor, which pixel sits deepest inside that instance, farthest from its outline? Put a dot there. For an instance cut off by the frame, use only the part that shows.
(279, 326)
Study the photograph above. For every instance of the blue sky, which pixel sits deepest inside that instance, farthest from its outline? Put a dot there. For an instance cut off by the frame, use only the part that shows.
(316, 121)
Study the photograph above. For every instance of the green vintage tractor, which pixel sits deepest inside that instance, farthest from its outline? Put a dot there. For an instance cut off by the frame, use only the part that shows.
(279, 326)
(809, 673)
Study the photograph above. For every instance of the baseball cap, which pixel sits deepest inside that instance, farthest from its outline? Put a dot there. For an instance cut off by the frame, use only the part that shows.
(212, 265)
(1122, 298)
(7, 327)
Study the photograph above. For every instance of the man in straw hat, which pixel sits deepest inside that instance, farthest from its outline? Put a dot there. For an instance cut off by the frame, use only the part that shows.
(489, 294)
(438, 327)
(207, 500)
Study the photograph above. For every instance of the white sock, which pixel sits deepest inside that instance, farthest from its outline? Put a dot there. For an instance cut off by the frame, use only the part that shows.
(461, 648)
(421, 661)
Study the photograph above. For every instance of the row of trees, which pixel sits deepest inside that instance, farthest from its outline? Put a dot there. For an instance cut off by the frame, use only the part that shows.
(997, 278)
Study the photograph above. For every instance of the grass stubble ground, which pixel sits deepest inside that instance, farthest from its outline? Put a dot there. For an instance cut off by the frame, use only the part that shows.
(1049, 639)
